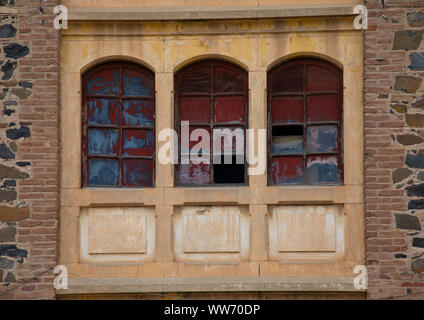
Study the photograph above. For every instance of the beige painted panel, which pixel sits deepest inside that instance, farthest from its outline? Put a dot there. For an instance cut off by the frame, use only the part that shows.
(306, 232)
(117, 234)
(309, 232)
(211, 233)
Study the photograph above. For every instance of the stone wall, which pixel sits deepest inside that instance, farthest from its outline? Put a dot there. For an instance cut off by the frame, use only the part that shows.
(394, 149)
(29, 79)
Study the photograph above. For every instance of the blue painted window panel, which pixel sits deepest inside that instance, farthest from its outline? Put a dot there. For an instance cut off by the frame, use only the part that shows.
(322, 169)
(104, 83)
(103, 111)
(137, 173)
(103, 172)
(103, 142)
(282, 145)
(321, 139)
(135, 84)
(138, 113)
(138, 143)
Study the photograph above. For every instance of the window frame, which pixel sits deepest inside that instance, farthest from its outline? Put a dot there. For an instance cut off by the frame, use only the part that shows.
(212, 63)
(307, 61)
(120, 97)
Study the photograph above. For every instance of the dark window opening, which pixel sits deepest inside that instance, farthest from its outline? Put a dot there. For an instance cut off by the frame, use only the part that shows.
(212, 95)
(229, 173)
(118, 126)
(305, 100)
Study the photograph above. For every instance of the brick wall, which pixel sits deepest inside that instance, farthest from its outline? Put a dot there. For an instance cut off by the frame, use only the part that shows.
(29, 107)
(394, 149)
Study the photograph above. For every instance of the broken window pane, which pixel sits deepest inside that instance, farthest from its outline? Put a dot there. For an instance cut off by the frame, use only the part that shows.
(287, 140)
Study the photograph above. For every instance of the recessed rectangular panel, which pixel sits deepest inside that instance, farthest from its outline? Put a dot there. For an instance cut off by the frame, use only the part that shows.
(288, 80)
(195, 110)
(321, 139)
(103, 142)
(138, 113)
(229, 109)
(103, 172)
(287, 170)
(207, 233)
(196, 174)
(322, 169)
(135, 84)
(104, 83)
(306, 231)
(198, 81)
(321, 79)
(102, 112)
(117, 234)
(322, 108)
(137, 173)
(138, 143)
(287, 109)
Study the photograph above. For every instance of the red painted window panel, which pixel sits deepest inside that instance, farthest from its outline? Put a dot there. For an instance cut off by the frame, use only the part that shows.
(320, 78)
(229, 109)
(118, 132)
(322, 108)
(197, 110)
(287, 110)
(287, 170)
(137, 173)
(308, 93)
(212, 94)
(228, 80)
(185, 148)
(288, 80)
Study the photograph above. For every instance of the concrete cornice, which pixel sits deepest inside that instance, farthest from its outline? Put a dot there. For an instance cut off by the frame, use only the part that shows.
(207, 13)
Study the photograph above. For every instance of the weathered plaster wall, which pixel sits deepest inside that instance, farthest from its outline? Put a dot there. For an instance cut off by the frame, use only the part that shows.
(394, 156)
(28, 148)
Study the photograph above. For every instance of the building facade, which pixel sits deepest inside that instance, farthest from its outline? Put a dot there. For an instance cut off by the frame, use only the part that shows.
(330, 112)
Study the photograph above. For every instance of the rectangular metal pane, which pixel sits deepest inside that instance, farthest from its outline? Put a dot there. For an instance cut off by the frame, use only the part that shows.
(321, 79)
(138, 143)
(287, 170)
(103, 142)
(199, 137)
(197, 110)
(227, 80)
(322, 169)
(287, 109)
(103, 172)
(135, 84)
(137, 173)
(196, 174)
(138, 113)
(288, 80)
(287, 145)
(104, 83)
(229, 109)
(322, 108)
(228, 140)
(102, 111)
(321, 139)
(198, 81)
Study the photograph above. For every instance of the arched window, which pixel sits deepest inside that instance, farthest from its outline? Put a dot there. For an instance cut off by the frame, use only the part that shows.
(118, 126)
(305, 99)
(213, 96)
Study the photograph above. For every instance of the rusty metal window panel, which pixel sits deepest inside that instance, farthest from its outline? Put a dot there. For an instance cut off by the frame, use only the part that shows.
(118, 126)
(211, 94)
(305, 112)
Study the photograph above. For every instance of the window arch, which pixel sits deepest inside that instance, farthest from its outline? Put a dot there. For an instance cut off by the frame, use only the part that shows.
(118, 126)
(212, 95)
(305, 112)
